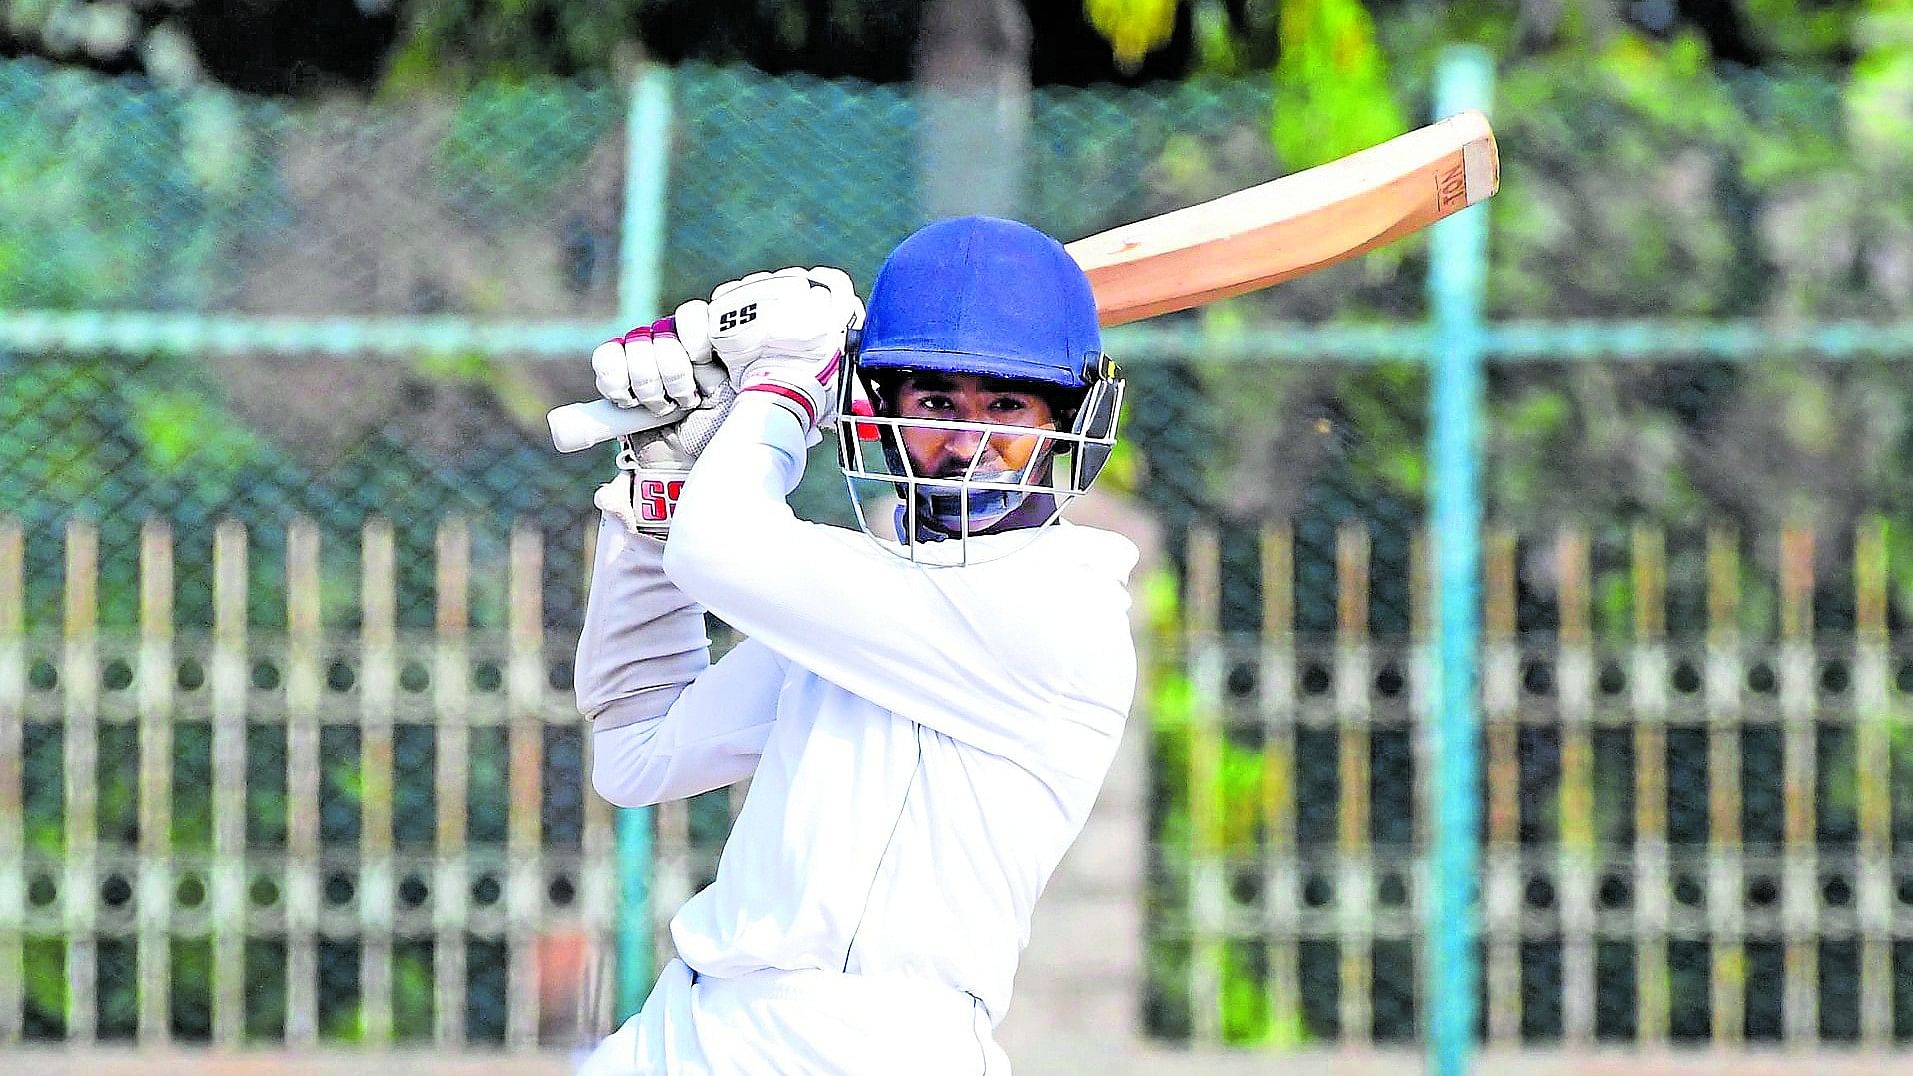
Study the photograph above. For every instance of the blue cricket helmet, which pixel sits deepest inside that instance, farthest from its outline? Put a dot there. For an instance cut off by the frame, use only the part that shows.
(991, 298)
(985, 296)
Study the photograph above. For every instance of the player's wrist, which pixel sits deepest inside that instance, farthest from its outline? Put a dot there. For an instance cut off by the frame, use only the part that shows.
(807, 398)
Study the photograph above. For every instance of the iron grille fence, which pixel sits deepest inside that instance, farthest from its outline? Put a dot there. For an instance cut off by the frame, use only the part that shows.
(1691, 836)
(233, 834)
(366, 832)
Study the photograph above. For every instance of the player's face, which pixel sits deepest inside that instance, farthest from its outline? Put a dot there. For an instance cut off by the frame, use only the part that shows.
(968, 398)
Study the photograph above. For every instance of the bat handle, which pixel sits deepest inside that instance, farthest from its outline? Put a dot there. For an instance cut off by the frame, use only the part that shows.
(577, 426)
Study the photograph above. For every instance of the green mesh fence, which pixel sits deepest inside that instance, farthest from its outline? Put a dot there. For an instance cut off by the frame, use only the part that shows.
(1695, 583)
(784, 171)
(123, 195)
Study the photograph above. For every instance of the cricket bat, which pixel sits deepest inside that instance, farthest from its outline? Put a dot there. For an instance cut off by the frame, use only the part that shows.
(1231, 245)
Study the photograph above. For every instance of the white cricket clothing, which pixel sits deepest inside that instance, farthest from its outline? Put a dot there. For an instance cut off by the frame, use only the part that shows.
(924, 744)
(796, 1023)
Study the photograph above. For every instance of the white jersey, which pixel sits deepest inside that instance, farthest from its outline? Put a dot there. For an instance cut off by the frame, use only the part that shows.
(924, 742)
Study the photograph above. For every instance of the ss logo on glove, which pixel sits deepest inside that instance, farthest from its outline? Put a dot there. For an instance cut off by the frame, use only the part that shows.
(731, 319)
(657, 499)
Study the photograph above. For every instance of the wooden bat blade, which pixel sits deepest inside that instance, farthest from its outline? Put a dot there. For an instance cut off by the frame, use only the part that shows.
(1291, 226)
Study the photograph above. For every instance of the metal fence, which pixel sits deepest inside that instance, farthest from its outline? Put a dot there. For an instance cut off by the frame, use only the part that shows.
(302, 832)
(269, 444)
(264, 831)
(1691, 837)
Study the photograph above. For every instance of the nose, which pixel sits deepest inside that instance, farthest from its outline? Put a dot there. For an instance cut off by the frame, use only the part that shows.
(962, 445)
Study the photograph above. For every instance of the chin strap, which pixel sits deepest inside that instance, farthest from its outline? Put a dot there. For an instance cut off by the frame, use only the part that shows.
(1037, 510)
(927, 530)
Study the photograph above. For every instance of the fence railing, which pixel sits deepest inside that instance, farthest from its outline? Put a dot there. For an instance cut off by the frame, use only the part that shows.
(1288, 723)
(1691, 837)
(298, 832)
(332, 829)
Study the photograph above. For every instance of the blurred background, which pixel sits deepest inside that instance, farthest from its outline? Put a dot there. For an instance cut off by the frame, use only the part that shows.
(290, 578)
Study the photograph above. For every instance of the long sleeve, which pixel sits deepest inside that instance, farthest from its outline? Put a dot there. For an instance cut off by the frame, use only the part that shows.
(712, 736)
(1027, 657)
(665, 722)
(643, 640)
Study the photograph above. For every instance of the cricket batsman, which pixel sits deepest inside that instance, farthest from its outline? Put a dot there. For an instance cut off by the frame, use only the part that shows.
(925, 711)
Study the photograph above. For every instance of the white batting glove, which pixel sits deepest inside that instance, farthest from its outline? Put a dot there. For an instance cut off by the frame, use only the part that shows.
(654, 366)
(783, 333)
(663, 366)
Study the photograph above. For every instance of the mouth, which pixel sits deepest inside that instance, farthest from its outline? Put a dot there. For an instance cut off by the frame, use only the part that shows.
(962, 473)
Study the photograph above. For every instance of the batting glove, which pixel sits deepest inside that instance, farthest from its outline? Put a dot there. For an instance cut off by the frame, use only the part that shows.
(783, 333)
(662, 366)
(655, 366)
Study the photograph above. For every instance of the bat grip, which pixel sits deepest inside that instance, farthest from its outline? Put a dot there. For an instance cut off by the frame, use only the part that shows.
(578, 426)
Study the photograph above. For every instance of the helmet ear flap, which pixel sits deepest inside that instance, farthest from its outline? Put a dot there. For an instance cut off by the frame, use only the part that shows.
(847, 370)
(1096, 425)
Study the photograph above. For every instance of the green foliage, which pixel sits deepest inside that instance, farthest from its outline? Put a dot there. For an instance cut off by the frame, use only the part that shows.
(44, 961)
(1134, 27)
(1247, 1015)
(1562, 194)
(1803, 30)
(1170, 705)
(459, 42)
(1880, 101)
(511, 386)
(1332, 87)
(1642, 180)
(412, 993)
(42, 192)
(114, 190)
(185, 438)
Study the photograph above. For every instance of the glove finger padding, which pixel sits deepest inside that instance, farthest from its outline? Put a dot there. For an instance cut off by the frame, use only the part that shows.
(653, 366)
(850, 309)
(612, 373)
(732, 285)
(673, 364)
(681, 346)
(693, 323)
(643, 358)
(761, 314)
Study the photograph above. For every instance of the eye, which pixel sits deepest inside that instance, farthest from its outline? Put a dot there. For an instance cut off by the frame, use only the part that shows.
(930, 402)
(1008, 404)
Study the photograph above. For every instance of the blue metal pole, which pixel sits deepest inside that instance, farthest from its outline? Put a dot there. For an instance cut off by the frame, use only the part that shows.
(640, 287)
(1457, 271)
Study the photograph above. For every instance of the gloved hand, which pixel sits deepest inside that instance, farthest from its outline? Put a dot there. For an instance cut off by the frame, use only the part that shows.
(783, 333)
(667, 364)
(655, 366)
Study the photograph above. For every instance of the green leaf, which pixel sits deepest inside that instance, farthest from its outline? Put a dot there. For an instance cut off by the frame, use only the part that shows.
(1331, 84)
(1134, 28)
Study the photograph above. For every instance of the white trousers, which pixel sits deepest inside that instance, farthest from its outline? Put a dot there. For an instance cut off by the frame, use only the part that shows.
(787, 1023)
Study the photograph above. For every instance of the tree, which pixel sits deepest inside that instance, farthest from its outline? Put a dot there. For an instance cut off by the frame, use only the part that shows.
(260, 46)
(307, 46)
